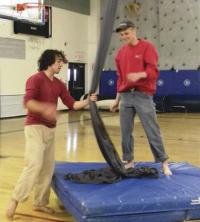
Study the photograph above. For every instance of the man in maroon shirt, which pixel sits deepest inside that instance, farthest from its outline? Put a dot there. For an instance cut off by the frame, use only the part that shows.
(136, 64)
(42, 92)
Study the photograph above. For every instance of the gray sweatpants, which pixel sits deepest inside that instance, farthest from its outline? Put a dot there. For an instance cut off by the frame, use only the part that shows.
(142, 104)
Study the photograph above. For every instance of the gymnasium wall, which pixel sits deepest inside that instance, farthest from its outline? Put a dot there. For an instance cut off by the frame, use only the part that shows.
(172, 25)
(74, 33)
(79, 6)
(177, 91)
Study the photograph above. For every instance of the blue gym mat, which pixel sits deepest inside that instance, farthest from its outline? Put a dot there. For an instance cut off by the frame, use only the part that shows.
(166, 199)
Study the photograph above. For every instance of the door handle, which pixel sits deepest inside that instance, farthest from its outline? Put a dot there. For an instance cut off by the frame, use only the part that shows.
(78, 88)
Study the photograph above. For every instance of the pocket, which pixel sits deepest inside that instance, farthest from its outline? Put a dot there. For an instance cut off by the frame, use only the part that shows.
(144, 94)
(126, 99)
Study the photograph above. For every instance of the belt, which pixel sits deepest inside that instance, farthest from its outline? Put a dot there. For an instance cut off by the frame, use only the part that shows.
(131, 90)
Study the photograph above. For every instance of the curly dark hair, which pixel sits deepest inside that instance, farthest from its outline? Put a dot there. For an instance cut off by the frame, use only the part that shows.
(49, 57)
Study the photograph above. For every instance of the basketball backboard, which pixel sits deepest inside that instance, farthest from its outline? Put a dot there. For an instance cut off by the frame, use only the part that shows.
(32, 11)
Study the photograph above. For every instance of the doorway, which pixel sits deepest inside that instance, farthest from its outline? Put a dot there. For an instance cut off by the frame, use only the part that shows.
(76, 80)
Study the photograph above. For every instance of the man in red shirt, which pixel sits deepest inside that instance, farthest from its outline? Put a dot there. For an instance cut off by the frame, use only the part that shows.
(42, 92)
(136, 64)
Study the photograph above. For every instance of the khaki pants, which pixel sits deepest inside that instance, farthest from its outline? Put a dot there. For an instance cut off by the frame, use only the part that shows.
(39, 165)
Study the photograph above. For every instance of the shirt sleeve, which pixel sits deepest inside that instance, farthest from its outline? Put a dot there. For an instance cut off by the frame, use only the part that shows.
(151, 60)
(118, 71)
(65, 96)
(31, 90)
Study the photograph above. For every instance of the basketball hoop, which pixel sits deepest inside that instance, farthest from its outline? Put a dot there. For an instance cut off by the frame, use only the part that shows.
(25, 6)
(33, 11)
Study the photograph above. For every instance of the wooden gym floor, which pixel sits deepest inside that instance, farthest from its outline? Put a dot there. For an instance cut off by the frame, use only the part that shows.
(75, 142)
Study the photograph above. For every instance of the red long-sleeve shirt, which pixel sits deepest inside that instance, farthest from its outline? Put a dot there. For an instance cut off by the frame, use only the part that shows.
(142, 57)
(39, 87)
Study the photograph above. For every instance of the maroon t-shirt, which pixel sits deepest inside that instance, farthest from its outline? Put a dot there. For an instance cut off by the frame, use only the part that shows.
(39, 87)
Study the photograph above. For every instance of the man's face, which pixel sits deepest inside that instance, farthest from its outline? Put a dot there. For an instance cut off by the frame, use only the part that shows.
(57, 66)
(128, 35)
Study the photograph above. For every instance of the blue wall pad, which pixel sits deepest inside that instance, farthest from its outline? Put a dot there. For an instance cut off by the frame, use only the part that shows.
(166, 199)
(108, 85)
(183, 82)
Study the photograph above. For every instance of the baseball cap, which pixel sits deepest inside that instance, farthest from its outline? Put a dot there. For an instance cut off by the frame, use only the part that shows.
(124, 25)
